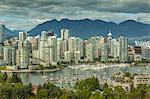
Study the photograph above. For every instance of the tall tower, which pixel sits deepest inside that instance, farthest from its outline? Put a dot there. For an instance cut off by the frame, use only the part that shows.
(2, 38)
(22, 36)
(123, 57)
(104, 53)
(64, 34)
(109, 38)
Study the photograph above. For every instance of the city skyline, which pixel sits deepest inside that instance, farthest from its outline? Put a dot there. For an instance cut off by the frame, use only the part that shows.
(30, 13)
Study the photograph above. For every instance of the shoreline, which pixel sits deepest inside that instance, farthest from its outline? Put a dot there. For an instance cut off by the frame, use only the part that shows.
(30, 71)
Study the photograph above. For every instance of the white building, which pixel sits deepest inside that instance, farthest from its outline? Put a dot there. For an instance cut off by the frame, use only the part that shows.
(141, 79)
(23, 55)
(64, 34)
(145, 51)
(52, 42)
(89, 52)
(2, 38)
(123, 56)
(72, 46)
(67, 56)
(115, 48)
(77, 56)
(59, 49)
(22, 36)
(104, 53)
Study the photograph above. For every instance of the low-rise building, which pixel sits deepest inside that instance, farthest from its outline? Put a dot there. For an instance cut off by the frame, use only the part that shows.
(141, 79)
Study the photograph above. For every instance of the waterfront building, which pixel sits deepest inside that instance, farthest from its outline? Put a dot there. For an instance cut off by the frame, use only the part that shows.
(67, 56)
(23, 55)
(104, 53)
(145, 52)
(77, 56)
(8, 55)
(13, 59)
(89, 52)
(123, 56)
(58, 49)
(137, 57)
(41, 49)
(72, 46)
(141, 79)
(52, 42)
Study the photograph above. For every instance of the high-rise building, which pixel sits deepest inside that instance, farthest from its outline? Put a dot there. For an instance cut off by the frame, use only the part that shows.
(59, 49)
(109, 38)
(2, 34)
(2, 38)
(123, 56)
(145, 52)
(8, 55)
(67, 57)
(100, 44)
(77, 56)
(115, 48)
(94, 41)
(72, 46)
(22, 36)
(52, 41)
(44, 35)
(104, 53)
(64, 34)
(23, 55)
(89, 52)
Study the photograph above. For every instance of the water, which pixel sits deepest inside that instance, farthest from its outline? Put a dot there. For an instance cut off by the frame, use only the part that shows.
(36, 78)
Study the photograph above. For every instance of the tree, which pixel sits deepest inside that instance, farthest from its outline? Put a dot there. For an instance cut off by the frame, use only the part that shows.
(90, 83)
(42, 94)
(15, 78)
(6, 91)
(4, 78)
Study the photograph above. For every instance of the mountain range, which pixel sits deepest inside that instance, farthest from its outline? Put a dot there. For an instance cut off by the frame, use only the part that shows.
(86, 28)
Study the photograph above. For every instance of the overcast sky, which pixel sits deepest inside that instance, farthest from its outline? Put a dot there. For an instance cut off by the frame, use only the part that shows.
(26, 14)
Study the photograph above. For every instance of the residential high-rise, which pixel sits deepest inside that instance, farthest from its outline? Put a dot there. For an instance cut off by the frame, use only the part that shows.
(89, 52)
(145, 51)
(72, 46)
(23, 55)
(59, 49)
(2, 34)
(64, 34)
(104, 53)
(8, 55)
(22, 36)
(67, 57)
(123, 56)
(94, 41)
(2, 38)
(44, 35)
(115, 48)
(52, 41)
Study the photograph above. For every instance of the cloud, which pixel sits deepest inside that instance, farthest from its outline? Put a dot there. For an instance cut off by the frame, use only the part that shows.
(26, 14)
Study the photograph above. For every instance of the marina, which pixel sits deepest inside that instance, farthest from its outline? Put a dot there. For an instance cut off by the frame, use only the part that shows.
(67, 76)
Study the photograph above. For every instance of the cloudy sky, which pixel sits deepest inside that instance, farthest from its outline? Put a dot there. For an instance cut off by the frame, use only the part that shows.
(26, 14)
